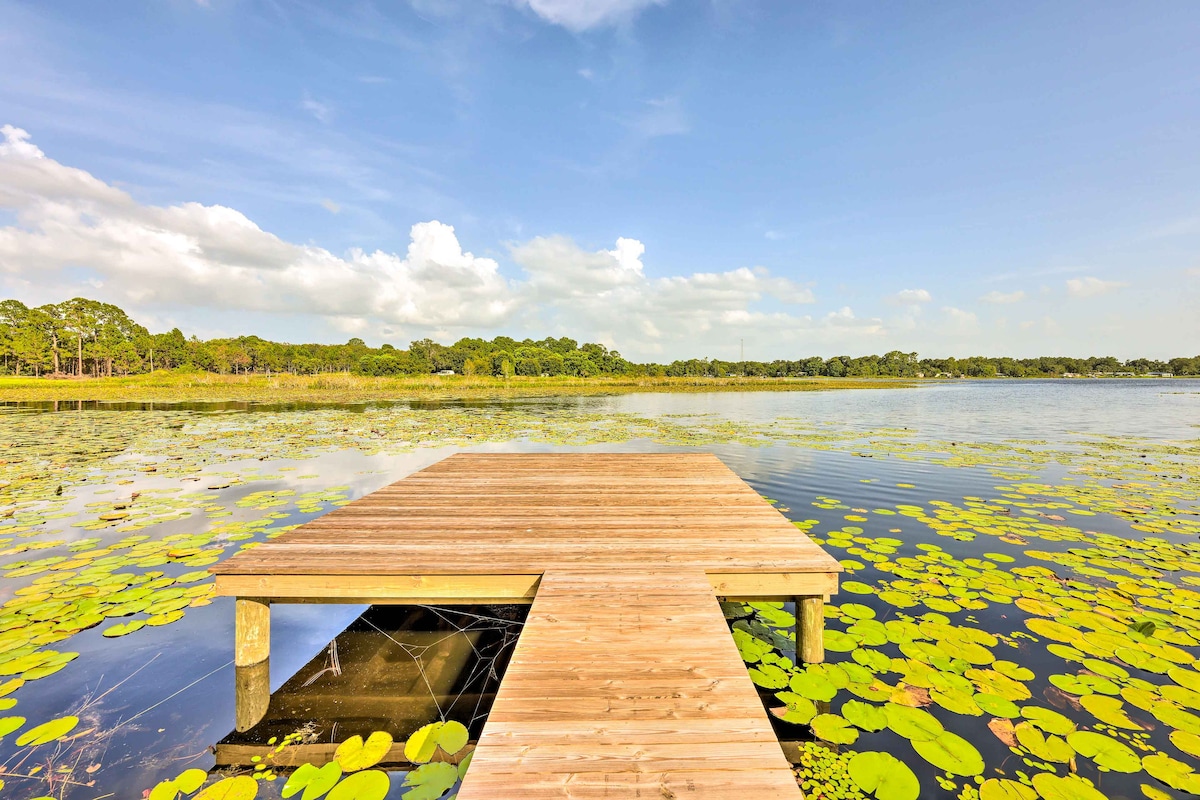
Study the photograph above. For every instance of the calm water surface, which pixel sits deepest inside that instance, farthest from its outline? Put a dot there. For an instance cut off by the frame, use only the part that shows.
(163, 697)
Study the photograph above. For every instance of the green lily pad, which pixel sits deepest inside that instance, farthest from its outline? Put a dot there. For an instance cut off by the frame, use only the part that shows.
(431, 781)
(1187, 742)
(47, 732)
(951, 753)
(813, 685)
(997, 706)
(1172, 772)
(864, 715)
(1110, 710)
(912, 723)
(833, 728)
(355, 754)
(1047, 720)
(241, 787)
(1106, 751)
(1004, 789)
(1071, 787)
(369, 785)
(1043, 747)
(884, 776)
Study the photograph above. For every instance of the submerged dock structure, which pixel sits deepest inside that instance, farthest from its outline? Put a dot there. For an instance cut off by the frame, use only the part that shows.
(625, 681)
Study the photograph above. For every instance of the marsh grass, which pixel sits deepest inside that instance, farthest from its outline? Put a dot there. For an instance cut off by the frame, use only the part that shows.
(165, 386)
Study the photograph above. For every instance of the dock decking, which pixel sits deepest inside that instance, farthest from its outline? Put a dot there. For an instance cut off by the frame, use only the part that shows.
(625, 681)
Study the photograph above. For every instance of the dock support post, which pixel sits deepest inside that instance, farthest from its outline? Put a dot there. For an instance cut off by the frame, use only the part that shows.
(251, 660)
(810, 630)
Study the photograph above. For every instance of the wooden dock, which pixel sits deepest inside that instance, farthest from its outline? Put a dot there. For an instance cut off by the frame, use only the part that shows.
(625, 681)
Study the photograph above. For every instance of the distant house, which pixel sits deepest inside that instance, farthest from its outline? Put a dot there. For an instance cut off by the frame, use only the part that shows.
(1161, 374)
(445, 372)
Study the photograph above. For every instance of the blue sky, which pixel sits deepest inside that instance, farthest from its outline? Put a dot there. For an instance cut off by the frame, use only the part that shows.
(668, 177)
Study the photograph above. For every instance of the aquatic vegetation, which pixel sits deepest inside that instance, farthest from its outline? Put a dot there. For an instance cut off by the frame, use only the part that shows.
(166, 387)
(347, 777)
(968, 628)
(929, 647)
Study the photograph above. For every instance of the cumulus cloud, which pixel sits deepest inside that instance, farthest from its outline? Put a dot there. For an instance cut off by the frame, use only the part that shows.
(910, 297)
(1002, 298)
(595, 289)
(959, 322)
(1092, 286)
(580, 15)
(194, 254)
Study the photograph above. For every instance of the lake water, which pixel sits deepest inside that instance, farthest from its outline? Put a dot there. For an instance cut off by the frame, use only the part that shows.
(1089, 490)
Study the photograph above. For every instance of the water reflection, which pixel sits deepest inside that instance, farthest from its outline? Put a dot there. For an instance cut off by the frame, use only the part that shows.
(394, 669)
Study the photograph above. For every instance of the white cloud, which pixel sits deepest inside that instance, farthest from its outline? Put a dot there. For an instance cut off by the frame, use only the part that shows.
(580, 289)
(197, 256)
(330, 206)
(910, 297)
(321, 111)
(959, 322)
(192, 254)
(1193, 272)
(1001, 298)
(1092, 286)
(580, 15)
(663, 116)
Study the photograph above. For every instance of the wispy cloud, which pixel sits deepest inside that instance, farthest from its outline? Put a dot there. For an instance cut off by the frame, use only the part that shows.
(322, 111)
(910, 297)
(581, 15)
(660, 117)
(1002, 298)
(959, 322)
(1092, 286)
(1034, 273)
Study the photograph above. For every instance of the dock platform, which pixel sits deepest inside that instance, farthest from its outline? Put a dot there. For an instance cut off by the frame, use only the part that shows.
(625, 681)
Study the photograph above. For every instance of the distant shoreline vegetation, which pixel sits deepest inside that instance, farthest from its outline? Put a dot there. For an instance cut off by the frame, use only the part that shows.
(87, 338)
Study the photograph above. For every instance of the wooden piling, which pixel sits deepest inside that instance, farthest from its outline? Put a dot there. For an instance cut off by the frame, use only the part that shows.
(810, 629)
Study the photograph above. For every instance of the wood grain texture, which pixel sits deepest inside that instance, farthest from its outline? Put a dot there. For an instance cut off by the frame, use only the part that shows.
(674, 714)
(625, 681)
(500, 514)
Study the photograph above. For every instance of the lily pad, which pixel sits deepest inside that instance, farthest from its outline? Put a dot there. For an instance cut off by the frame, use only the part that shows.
(883, 775)
(864, 715)
(355, 754)
(833, 728)
(369, 785)
(912, 723)
(241, 787)
(1106, 751)
(47, 732)
(951, 753)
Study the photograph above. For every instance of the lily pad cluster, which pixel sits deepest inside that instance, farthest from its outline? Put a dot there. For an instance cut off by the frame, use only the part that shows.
(939, 649)
(348, 776)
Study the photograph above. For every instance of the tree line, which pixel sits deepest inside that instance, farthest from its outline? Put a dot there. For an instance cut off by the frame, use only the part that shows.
(82, 337)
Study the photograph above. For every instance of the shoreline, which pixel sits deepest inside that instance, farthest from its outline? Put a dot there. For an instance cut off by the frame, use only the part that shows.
(348, 388)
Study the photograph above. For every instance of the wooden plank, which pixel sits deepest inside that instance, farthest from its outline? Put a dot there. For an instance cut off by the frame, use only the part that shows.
(572, 734)
(625, 681)
(471, 589)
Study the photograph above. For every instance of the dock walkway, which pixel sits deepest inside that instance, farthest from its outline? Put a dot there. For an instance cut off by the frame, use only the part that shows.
(625, 681)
